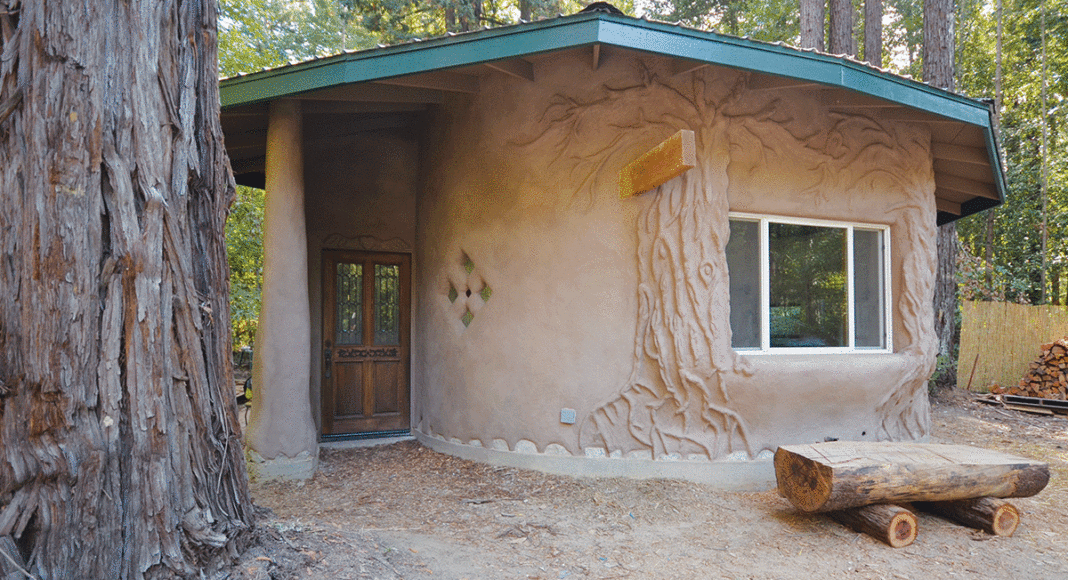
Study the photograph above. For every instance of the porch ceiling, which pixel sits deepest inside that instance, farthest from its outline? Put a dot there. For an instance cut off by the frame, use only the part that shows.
(390, 87)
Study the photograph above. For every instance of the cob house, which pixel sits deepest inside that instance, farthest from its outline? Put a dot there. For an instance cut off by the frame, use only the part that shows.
(599, 245)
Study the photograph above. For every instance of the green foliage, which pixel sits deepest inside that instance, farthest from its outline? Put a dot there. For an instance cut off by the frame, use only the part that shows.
(244, 246)
(768, 20)
(259, 34)
(1016, 241)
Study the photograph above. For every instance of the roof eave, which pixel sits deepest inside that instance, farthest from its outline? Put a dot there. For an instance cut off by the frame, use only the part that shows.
(586, 29)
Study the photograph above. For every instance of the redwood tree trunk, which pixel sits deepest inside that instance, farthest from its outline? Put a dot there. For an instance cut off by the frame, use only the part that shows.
(873, 32)
(121, 454)
(841, 29)
(812, 22)
(938, 72)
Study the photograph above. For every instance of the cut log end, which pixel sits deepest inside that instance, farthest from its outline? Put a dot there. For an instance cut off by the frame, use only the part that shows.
(891, 524)
(807, 486)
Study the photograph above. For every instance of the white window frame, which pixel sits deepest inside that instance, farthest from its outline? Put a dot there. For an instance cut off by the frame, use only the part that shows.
(765, 287)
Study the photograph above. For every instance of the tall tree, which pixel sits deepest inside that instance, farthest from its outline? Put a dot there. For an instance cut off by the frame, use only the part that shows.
(812, 23)
(938, 72)
(117, 417)
(873, 32)
(841, 28)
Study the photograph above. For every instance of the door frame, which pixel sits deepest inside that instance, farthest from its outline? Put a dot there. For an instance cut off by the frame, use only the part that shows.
(328, 270)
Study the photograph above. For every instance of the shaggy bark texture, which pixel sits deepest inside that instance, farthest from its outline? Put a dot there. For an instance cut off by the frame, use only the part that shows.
(118, 428)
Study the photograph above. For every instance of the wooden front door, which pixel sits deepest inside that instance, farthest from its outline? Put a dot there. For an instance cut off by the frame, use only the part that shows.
(366, 307)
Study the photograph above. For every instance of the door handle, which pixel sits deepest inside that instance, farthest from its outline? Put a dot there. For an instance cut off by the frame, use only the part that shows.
(326, 355)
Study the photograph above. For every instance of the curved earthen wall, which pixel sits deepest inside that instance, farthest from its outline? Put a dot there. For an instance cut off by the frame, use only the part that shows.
(619, 309)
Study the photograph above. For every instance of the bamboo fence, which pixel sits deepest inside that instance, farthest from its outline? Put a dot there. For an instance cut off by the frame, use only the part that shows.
(998, 340)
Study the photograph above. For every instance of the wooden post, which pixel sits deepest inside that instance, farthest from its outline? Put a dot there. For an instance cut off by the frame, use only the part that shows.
(894, 525)
(993, 515)
(662, 163)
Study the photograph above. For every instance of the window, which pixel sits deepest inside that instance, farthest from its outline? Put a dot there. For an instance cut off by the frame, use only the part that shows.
(808, 285)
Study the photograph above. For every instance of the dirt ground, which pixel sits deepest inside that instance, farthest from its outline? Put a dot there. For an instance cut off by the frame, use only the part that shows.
(403, 511)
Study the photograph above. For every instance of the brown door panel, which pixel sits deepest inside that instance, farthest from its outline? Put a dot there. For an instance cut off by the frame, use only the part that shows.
(366, 342)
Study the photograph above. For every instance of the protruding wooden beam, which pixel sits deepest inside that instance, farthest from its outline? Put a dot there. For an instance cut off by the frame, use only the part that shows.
(436, 80)
(949, 152)
(947, 206)
(596, 55)
(666, 161)
(515, 67)
(968, 186)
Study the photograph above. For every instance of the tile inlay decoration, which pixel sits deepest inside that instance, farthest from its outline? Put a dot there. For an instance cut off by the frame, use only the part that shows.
(470, 293)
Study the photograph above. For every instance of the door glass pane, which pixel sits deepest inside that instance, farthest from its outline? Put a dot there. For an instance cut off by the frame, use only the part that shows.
(743, 269)
(807, 272)
(349, 324)
(387, 304)
(869, 290)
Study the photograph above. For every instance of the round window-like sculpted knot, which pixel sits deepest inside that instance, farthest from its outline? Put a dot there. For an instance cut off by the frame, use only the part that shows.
(706, 271)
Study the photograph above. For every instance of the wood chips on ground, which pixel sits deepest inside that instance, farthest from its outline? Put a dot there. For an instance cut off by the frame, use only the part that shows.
(403, 511)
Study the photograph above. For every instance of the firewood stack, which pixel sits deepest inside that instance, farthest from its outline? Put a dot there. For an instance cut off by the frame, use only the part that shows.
(1047, 376)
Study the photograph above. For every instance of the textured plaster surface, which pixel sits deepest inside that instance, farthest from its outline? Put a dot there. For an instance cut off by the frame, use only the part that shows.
(619, 309)
(280, 425)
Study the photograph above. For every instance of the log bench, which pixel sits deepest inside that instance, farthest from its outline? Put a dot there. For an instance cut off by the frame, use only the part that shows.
(859, 483)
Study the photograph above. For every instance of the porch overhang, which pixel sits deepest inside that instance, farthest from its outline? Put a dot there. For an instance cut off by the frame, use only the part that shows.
(391, 85)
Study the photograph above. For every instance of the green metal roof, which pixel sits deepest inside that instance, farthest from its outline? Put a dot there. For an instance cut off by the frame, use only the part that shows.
(590, 28)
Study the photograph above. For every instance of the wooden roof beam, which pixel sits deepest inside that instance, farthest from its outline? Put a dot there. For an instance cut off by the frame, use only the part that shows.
(947, 206)
(968, 187)
(596, 55)
(436, 80)
(377, 93)
(323, 107)
(515, 67)
(949, 152)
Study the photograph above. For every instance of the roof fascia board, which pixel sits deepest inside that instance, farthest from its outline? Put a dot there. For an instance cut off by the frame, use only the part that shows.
(786, 62)
(413, 58)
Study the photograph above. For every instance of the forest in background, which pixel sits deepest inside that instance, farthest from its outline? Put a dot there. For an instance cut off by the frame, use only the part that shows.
(1017, 252)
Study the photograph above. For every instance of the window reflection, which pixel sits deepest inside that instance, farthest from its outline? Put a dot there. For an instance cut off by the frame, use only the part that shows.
(807, 274)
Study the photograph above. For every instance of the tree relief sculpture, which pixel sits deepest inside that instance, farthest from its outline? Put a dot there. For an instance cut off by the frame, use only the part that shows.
(676, 401)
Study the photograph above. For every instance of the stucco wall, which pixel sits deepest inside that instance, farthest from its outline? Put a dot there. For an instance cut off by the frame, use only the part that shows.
(360, 195)
(619, 309)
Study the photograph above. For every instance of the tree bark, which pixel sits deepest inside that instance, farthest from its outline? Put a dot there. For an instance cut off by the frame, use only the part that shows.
(839, 475)
(122, 457)
(873, 32)
(992, 515)
(841, 29)
(812, 23)
(888, 523)
(938, 72)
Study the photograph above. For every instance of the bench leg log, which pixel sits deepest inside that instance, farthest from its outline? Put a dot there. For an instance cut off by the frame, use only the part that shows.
(887, 523)
(993, 515)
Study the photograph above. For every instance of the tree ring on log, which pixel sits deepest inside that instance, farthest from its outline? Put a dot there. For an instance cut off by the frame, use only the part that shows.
(1006, 521)
(903, 530)
(792, 472)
